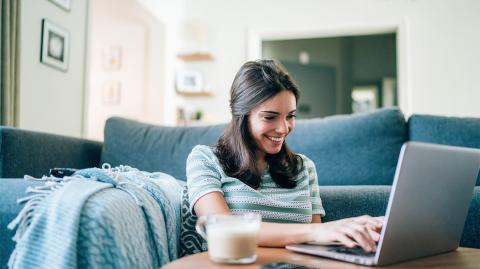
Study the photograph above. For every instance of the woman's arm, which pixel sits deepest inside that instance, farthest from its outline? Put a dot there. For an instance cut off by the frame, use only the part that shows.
(362, 231)
(316, 218)
(271, 234)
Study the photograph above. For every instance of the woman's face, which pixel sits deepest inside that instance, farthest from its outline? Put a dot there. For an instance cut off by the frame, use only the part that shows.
(271, 121)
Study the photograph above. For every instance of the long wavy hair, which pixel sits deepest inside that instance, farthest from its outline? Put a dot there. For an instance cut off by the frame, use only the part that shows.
(254, 83)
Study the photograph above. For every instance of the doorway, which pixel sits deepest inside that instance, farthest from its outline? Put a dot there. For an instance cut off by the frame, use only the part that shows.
(340, 75)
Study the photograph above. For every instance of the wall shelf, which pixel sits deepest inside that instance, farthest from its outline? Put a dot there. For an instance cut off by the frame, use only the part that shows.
(195, 57)
(195, 94)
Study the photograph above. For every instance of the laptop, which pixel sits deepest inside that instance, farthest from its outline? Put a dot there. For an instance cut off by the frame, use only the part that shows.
(427, 208)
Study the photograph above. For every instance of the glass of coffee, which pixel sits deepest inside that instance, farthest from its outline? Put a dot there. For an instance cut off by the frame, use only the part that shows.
(231, 238)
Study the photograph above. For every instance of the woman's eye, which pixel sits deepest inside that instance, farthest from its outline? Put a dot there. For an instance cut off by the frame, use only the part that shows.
(291, 116)
(269, 117)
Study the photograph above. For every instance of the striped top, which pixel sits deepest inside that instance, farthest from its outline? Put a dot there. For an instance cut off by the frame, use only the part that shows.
(273, 203)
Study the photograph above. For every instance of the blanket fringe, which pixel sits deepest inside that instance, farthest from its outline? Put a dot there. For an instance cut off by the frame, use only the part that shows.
(38, 193)
(24, 217)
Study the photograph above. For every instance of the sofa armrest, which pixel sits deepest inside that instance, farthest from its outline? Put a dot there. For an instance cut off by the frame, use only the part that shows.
(351, 201)
(34, 153)
(11, 189)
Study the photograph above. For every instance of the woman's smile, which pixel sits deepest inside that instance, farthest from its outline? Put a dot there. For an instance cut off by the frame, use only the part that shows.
(276, 140)
(272, 121)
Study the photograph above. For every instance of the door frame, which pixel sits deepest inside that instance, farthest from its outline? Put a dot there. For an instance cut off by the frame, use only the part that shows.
(255, 36)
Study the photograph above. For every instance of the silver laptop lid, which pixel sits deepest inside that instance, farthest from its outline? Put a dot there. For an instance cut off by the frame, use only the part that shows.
(429, 201)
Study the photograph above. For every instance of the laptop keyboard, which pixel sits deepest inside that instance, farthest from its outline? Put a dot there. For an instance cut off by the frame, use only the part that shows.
(355, 251)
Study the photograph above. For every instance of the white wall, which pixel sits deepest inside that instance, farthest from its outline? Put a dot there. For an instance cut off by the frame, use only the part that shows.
(126, 25)
(171, 13)
(440, 54)
(52, 100)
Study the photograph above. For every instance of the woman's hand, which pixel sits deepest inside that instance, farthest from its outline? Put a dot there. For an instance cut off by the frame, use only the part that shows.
(361, 231)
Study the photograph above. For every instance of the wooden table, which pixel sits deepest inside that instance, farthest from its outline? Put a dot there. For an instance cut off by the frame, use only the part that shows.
(462, 258)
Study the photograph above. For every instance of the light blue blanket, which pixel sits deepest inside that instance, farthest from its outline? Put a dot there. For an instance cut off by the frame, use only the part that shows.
(80, 222)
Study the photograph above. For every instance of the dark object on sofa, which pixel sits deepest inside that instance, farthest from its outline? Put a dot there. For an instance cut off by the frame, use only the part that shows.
(355, 157)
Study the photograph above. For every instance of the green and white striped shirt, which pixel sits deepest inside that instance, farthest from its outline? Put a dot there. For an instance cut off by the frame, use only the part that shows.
(273, 203)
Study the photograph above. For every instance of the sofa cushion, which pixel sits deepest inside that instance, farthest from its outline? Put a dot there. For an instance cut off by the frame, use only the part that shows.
(352, 201)
(455, 131)
(154, 148)
(25, 152)
(360, 149)
(347, 150)
(11, 190)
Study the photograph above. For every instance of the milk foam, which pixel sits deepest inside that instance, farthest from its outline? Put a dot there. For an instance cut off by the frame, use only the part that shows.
(233, 241)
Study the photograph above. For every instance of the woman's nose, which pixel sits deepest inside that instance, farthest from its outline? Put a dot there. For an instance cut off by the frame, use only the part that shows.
(282, 127)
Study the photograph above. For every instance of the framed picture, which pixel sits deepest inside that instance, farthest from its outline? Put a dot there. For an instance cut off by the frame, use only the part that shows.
(189, 81)
(364, 98)
(112, 58)
(65, 4)
(112, 93)
(54, 45)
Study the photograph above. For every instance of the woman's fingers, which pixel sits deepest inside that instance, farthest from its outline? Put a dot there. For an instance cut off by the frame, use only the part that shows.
(346, 241)
(374, 230)
(358, 238)
(360, 234)
(361, 231)
(374, 221)
(374, 235)
(379, 221)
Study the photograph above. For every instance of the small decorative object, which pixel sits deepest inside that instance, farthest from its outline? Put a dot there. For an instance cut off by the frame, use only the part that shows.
(198, 115)
(54, 45)
(112, 58)
(304, 57)
(112, 93)
(65, 4)
(364, 98)
(189, 81)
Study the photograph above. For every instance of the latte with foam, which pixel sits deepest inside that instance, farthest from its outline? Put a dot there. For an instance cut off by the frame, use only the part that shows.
(231, 238)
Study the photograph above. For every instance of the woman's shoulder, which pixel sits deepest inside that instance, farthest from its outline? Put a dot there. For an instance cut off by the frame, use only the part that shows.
(307, 162)
(202, 151)
(202, 148)
(203, 157)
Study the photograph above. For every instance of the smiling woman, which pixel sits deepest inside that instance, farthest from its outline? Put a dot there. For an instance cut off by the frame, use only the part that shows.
(270, 123)
(263, 102)
(252, 170)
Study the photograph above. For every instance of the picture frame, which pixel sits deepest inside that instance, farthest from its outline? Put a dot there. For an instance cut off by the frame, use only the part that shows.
(189, 81)
(112, 58)
(364, 98)
(55, 43)
(64, 4)
(112, 93)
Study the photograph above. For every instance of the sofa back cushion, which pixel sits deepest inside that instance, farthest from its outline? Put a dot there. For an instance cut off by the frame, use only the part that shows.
(347, 150)
(154, 148)
(359, 149)
(454, 131)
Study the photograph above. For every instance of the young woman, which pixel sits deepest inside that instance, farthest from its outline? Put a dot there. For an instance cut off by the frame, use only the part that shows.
(251, 168)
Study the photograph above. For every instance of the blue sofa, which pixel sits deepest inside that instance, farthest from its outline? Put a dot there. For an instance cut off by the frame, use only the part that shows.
(355, 156)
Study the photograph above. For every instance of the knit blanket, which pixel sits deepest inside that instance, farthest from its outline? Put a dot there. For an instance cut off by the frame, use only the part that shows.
(77, 221)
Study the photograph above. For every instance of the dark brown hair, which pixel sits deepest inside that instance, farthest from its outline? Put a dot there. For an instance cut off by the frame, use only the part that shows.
(254, 83)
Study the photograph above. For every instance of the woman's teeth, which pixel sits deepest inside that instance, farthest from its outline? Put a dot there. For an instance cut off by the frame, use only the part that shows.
(275, 139)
